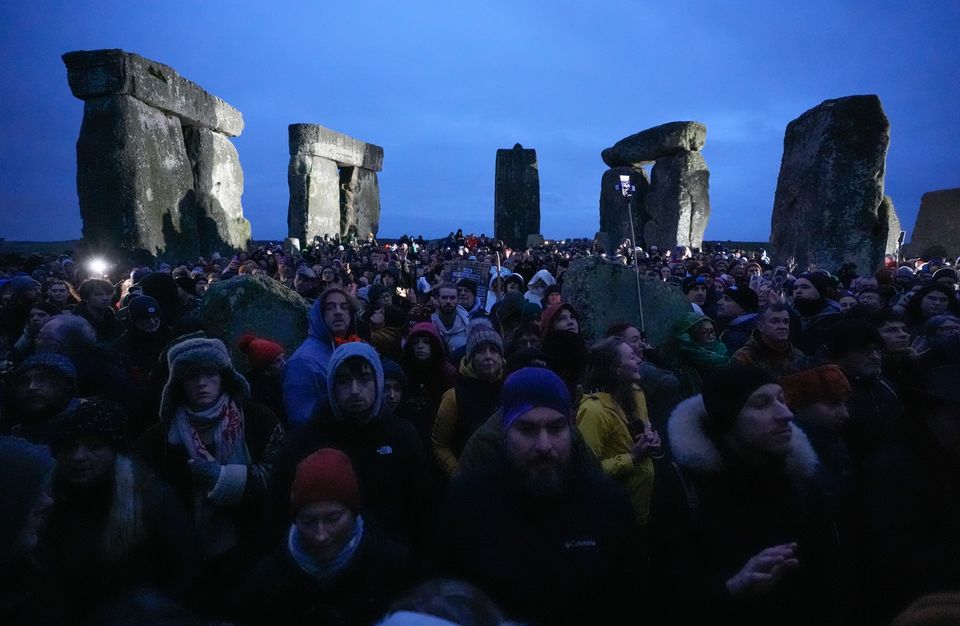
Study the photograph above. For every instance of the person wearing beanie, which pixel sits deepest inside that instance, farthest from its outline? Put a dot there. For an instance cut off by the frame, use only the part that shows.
(143, 341)
(695, 290)
(42, 386)
(700, 350)
(429, 375)
(25, 501)
(394, 385)
(472, 400)
(451, 319)
(736, 522)
(216, 449)
(769, 346)
(876, 410)
(385, 450)
(737, 314)
(113, 527)
(334, 566)
(612, 417)
(267, 359)
(551, 296)
(814, 309)
(332, 322)
(550, 538)
(467, 295)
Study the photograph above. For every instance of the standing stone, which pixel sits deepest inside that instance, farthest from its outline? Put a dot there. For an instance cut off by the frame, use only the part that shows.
(291, 246)
(140, 185)
(678, 204)
(888, 216)
(314, 198)
(346, 151)
(316, 207)
(516, 196)
(218, 183)
(614, 217)
(827, 205)
(938, 224)
(134, 180)
(359, 201)
(647, 146)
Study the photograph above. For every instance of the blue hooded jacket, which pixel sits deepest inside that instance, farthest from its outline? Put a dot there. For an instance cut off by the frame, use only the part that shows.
(368, 354)
(305, 375)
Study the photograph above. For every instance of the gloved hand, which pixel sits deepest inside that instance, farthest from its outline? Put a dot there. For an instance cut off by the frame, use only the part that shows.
(205, 474)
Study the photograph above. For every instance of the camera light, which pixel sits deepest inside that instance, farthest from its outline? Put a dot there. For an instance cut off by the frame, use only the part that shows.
(97, 266)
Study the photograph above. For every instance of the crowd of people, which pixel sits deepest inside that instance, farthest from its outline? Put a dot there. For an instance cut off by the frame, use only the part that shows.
(443, 450)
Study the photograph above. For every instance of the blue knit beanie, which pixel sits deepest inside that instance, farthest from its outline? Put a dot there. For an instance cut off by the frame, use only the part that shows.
(532, 387)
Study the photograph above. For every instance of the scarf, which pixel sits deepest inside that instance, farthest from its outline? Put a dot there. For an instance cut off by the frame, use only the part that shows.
(220, 425)
(703, 357)
(337, 341)
(324, 572)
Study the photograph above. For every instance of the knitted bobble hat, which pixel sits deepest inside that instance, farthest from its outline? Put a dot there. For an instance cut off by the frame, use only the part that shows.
(261, 352)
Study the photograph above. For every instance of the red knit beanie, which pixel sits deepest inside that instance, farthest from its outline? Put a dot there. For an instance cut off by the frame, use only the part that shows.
(819, 384)
(325, 476)
(261, 352)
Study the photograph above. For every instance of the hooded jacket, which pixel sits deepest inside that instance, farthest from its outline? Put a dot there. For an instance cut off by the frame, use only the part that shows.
(305, 375)
(546, 277)
(713, 512)
(385, 451)
(605, 430)
(426, 382)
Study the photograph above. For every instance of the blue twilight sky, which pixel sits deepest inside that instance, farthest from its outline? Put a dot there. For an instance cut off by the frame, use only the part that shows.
(442, 85)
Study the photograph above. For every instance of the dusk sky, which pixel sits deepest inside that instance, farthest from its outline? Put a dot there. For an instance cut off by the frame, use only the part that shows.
(442, 86)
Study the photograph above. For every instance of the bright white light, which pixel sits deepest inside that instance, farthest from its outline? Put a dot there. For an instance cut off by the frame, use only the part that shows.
(97, 266)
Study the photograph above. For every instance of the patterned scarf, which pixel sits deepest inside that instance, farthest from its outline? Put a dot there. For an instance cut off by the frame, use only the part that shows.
(324, 572)
(220, 425)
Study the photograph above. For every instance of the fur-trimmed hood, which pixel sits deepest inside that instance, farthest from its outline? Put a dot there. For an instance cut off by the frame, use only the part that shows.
(693, 449)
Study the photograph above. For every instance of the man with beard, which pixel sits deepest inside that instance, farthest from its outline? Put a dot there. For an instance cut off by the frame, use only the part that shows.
(451, 319)
(551, 539)
(816, 312)
(43, 386)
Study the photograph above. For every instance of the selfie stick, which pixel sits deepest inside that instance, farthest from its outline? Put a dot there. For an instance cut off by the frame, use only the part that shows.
(626, 189)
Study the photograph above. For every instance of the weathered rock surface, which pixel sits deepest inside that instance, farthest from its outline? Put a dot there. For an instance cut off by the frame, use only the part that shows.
(678, 203)
(95, 73)
(155, 167)
(938, 224)
(827, 205)
(254, 304)
(516, 196)
(314, 198)
(359, 201)
(535, 240)
(346, 151)
(614, 216)
(605, 293)
(291, 246)
(218, 183)
(888, 215)
(649, 145)
(134, 180)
